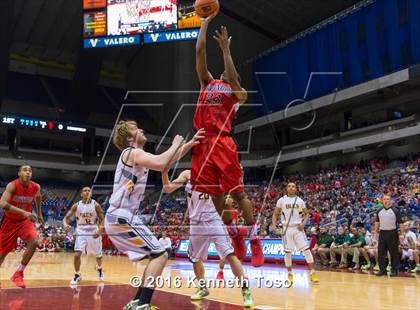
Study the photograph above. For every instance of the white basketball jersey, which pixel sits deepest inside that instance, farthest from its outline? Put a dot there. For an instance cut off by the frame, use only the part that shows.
(291, 208)
(86, 215)
(201, 208)
(411, 235)
(121, 196)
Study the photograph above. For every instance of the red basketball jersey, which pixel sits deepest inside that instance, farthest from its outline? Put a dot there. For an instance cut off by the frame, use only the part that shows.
(22, 198)
(216, 108)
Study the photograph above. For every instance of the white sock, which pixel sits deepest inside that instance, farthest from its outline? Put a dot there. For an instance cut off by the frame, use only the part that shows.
(21, 267)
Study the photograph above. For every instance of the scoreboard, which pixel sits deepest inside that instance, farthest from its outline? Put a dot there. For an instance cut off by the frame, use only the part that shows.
(108, 23)
(41, 124)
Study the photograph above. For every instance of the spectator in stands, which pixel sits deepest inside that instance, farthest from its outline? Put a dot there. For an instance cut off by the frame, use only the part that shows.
(313, 234)
(370, 251)
(166, 243)
(337, 246)
(416, 254)
(322, 247)
(315, 217)
(408, 245)
(352, 247)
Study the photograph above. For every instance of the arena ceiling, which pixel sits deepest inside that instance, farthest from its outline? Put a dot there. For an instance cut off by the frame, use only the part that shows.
(51, 29)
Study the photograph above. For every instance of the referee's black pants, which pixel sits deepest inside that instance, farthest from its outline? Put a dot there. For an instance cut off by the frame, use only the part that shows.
(388, 241)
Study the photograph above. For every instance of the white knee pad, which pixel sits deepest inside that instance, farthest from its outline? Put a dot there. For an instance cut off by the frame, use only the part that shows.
(308, 256)
(288, 259)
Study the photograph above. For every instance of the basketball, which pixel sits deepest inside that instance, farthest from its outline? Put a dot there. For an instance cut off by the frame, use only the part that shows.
(205, 8)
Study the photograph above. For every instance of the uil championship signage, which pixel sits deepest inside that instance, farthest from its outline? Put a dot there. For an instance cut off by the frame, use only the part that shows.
(272, 248)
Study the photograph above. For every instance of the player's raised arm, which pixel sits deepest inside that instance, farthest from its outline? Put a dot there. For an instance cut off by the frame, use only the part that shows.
(184, 149)
(6, 196)
(222, 37)
(163, 161)
(170, 187)
(69, 214)
(155, 162)
(200, 53)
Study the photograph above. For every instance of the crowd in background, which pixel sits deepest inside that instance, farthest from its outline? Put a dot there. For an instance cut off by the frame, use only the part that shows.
(344, 196)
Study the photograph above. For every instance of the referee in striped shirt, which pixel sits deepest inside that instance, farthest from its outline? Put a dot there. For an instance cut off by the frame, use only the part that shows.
(387, 220)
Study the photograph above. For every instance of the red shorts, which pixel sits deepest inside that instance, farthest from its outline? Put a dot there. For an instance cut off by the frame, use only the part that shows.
(215, 166)
(11, 230)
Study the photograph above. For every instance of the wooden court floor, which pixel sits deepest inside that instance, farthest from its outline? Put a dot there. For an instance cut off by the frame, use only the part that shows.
(48, 276)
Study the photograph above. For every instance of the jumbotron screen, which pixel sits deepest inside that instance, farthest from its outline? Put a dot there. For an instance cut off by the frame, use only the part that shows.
(109, 23)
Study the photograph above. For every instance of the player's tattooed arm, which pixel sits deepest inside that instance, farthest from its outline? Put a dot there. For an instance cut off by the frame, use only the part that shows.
(69, 214)
(4, 204)
(181, 180)
(200, 53)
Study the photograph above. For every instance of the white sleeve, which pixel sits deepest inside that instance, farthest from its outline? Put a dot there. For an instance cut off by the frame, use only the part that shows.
(279, 203)
(303, 204)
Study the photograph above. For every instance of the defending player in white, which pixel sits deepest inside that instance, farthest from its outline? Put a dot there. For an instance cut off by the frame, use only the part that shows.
(294, 216)
(122, 221)
(206, 226)
(89, 218)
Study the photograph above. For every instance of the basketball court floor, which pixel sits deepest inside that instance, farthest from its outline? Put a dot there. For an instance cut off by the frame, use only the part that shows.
(48, 276)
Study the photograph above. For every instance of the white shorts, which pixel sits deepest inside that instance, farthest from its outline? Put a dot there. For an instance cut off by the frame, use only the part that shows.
(295, 238)
(407, 253)
(130, 236)
(205, 232)
(86, 244)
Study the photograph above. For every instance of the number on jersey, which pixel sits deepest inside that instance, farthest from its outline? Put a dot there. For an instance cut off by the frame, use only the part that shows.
(203, 196)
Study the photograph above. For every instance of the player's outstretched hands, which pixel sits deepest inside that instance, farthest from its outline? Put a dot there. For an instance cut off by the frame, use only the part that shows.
(207, 20)
(222, 37)
(178, 140)
(200, 134)
(30, 216)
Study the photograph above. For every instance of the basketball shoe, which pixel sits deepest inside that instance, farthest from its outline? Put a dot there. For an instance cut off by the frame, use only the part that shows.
(17, 278)
(238, 241)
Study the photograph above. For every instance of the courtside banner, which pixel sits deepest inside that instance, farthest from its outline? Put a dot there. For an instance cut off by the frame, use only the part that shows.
(112, 41)
(170, 36)
(272, 248)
